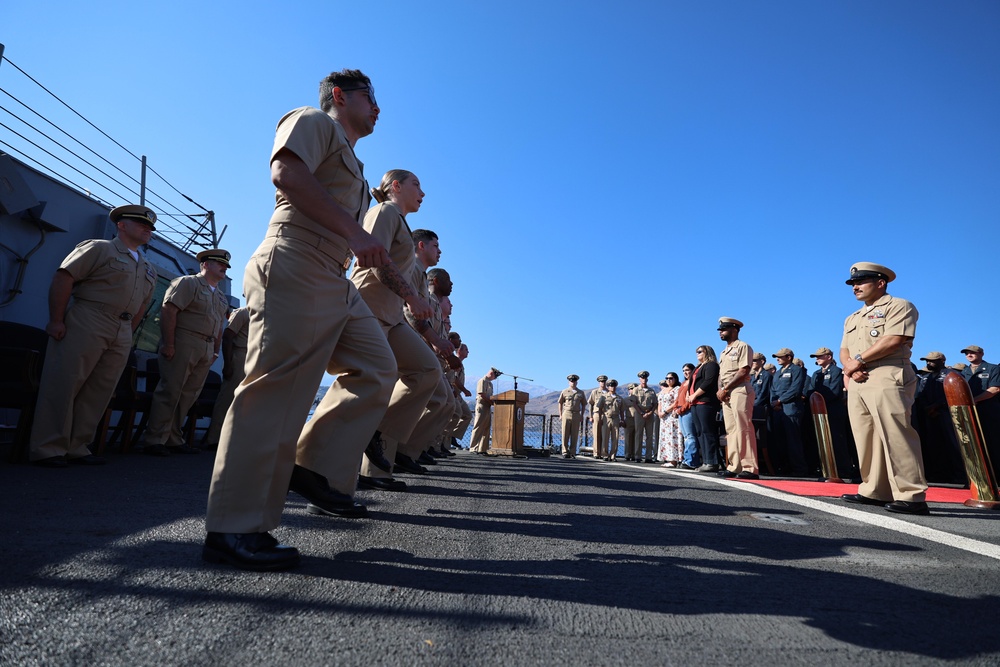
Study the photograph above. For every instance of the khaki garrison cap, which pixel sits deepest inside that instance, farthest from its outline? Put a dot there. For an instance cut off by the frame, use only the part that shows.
(135, 212)
(972, 348)
(933, 356)
(783, 352)
(862, 270)
(821, 351)
(218, 254)
(729, 323)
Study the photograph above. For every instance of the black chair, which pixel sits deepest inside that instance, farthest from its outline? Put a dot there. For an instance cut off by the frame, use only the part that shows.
(22, 355)
(125, 400)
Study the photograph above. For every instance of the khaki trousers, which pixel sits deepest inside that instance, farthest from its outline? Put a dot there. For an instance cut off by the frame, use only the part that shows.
(226, 392)
(892, 467)
(433, 420)
(599, 426)
(78, 380)
(181, 380)
(417, 372)
(609, 444)
(480, 441)
(305, 319)
(741, 439)
(462, 419)
(644, 427)
(570, 432)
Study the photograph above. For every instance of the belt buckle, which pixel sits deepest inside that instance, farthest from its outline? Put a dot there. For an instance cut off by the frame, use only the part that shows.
(125, 316)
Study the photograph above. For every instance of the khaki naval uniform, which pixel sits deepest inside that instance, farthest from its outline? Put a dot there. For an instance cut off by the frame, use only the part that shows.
(481, 427)
(417, 368)
(631, 405)
(82, 370)
(737, 410)
(198, 336)
(441, 404)
(239, 325)
(460, 423)
(645, 401)
(598, 425)
(892, 466)
(571, 406)
(613, 405)
(306, 319)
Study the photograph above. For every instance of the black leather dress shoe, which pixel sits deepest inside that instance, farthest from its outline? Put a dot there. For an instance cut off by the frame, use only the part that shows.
(250, 551)
(746, 474)
(448, 452)
(375, 453)
(908, 507)
(405, 464)
(51, 462)
(426, 459)
(183, 449)
(455, 443)
(381, 483)
(859, 499)
(156, 450)
(89, 460)
(322, 499)
(727, 473)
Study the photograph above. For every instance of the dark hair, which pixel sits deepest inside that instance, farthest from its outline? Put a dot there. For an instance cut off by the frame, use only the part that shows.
(345, 77)
(434, 274)
(422, 236)
(688, 367)
(454, 335)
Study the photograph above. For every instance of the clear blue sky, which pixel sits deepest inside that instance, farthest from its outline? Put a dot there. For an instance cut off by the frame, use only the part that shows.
(607, 179)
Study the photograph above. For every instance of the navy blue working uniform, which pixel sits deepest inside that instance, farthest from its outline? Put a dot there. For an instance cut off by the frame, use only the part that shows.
(787, 387)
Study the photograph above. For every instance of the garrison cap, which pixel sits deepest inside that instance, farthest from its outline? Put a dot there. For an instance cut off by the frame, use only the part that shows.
(643, 374)
(729, 323)
(972, 348)
(783, 352)
(573, 378)
(135, 212)
(862, 270)
(602, 378)
(759, 355)
(218, 254)
(612, 382)
(933, 356)
(821, 351)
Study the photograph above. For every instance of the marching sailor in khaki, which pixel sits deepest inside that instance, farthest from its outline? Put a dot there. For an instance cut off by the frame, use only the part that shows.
(598, 426)
(614, 412)
(439, 407)
(89, 341)
(463, 413)
(313, 321)
(737, 397)
(191, 324)
(572, 404)
(480, 442)
(234, 357)
(386, 291)
(645, 424)
(875, 355)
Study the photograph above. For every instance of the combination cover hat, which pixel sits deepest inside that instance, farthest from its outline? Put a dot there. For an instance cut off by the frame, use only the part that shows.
(863, 270)
(135, 212)
(573, 378)
(729, 323)
(218, 254)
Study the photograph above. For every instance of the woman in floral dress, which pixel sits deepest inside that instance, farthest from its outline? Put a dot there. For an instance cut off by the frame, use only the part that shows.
(671, 438)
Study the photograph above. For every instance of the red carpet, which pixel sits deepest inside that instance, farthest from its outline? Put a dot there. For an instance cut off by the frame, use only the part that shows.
(799, 488)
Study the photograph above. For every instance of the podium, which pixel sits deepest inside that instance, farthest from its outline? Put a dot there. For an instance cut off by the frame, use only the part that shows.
(508, 422)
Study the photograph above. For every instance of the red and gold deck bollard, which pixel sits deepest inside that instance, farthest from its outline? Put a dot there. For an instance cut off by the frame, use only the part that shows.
(982, 480)
(821, 422)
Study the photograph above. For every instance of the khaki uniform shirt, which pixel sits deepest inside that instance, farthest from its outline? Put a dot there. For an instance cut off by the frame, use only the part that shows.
(105, 276)
(596, 402)
(386, 223)
(613, 408)
(571, 402)
(645, 400)
(631, 403)
(202, 310)
(321, 143)
(737, 355)
(485, 387)
(239, 324)
(888, 316)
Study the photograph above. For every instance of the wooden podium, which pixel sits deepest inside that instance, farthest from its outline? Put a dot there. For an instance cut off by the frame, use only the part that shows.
(508, 422)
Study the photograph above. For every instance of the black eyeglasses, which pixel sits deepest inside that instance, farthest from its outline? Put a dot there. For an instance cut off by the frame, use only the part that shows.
(369, 88)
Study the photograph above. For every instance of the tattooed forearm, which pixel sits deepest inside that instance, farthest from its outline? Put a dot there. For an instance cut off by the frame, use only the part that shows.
(420, 326)
(390, 276)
